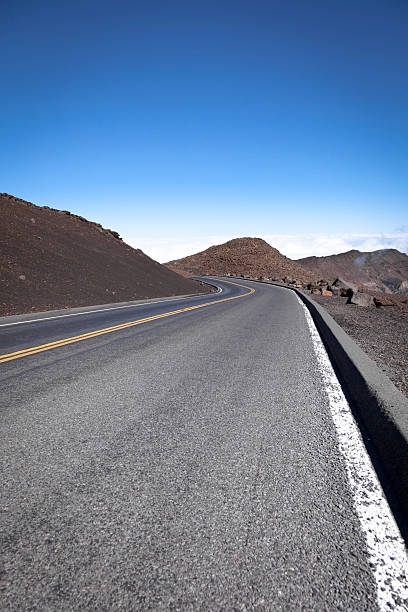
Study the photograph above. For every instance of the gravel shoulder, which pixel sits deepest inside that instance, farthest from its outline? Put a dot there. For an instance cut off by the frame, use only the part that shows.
(382, 334)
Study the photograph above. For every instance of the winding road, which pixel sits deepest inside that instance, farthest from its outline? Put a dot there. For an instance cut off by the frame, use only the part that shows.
(186, 454)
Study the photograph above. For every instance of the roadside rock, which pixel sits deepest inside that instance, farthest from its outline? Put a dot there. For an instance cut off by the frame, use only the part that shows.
(381, 302)
(325, 292)
(334, 290)
(346, 288)
(361, 299)
(381, 332)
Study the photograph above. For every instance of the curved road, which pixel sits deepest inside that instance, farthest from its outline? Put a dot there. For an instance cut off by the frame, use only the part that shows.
(184, 462)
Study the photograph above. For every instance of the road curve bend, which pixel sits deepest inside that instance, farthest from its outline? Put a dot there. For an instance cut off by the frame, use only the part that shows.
(183, 455)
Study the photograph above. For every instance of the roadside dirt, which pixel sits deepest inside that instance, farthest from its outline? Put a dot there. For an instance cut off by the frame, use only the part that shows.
(381, 333)
(53, 259)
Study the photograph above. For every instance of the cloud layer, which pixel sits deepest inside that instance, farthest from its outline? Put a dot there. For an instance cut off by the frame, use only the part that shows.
(294, 246)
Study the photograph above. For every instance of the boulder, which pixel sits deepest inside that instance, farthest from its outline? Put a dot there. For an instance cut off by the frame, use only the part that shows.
(325, 292)
(315, 290)
(403, 288)
(346, 289)
(381, 302)
(361, 299)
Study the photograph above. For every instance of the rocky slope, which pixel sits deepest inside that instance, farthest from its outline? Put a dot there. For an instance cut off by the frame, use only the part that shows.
(242, 256)
(52, 259)
(385, 270)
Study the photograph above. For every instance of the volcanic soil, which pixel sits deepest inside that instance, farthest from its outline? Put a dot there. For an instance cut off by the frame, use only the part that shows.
(242, 256)
(382, 333)
(53, 259)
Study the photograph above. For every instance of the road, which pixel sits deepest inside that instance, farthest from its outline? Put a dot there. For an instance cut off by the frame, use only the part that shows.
(185, 462)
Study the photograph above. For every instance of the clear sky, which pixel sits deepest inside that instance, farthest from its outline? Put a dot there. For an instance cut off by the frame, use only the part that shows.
(180, 123)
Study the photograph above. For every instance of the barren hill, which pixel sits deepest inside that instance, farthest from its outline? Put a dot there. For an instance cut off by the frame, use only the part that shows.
(53, 259)
(385, 270)
(241, 256)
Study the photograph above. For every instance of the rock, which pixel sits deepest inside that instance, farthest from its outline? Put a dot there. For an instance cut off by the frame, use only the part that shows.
(22, 277)
(403, 288)
(334, 290)
(361, 299)
(346, 289)
(326, 292)
(381, 302)
(315, 290)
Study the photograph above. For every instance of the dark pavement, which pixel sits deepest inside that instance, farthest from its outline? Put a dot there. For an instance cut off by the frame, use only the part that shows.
(188, 463)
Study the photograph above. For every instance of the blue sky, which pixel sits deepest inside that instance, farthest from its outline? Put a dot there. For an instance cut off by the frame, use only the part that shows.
(182, 123)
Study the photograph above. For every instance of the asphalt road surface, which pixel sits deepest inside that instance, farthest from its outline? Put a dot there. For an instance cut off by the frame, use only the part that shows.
(186, 462)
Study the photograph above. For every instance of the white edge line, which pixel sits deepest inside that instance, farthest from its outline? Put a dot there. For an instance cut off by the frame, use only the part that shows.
(77, 314)
(385, 545)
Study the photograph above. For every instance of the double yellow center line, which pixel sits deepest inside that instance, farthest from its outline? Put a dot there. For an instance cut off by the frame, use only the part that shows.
(107, 330)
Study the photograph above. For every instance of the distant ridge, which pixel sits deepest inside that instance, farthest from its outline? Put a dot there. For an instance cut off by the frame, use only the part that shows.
(385, 270)
(53, 259)
(241, 256)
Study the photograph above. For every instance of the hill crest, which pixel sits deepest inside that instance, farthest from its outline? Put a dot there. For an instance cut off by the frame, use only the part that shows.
(245, 256)
(52, 258)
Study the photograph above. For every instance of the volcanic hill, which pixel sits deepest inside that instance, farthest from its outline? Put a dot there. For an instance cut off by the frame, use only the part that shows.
(241, 256)
(385, 270)
(53, 259)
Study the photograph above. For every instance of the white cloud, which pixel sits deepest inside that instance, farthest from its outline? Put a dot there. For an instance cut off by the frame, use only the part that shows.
(294, 246)
(297, 246)
(167, 249)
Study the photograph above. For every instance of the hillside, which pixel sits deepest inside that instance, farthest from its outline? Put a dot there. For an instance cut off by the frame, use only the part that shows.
(241, 256)
(53, 259)
(384, 270)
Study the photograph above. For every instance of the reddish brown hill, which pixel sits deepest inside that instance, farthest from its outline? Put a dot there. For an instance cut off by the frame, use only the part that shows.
(52, 259)
(385, 270)
(241, 256)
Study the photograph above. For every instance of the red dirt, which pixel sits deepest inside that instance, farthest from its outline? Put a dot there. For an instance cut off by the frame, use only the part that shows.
(53, 259)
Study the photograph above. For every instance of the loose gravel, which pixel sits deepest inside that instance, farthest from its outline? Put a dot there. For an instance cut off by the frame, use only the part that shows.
(382, 334)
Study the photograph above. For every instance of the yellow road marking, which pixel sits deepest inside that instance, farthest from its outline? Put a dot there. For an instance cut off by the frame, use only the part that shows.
(98, 332)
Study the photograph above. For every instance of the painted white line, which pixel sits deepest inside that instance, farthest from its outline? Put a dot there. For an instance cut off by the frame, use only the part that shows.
(386, 548)
(77, 314)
